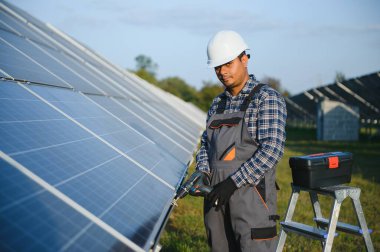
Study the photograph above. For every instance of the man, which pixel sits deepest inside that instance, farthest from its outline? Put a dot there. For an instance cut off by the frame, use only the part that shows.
(243, 142)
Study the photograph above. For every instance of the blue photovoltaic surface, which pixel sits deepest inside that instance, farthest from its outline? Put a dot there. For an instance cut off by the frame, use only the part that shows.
(15, 25)
(83, 79)
(162, 123)
(119, 134)
(79, 165)
(119, 158)
(33, 219)
(183, 122)
(19, 66)
(164, 136)
(52, 60)
(42, 27)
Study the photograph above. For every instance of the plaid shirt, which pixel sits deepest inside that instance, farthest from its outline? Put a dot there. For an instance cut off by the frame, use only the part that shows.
(266, 119)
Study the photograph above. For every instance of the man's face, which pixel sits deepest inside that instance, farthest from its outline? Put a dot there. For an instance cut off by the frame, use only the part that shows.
(233, 74)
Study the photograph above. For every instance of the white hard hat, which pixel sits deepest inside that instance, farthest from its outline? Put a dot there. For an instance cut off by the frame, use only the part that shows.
(223, 47)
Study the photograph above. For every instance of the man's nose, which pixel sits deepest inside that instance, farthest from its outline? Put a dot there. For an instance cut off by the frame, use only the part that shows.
(223, 69)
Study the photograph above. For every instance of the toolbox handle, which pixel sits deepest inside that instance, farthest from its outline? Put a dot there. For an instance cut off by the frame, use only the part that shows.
(317, 154)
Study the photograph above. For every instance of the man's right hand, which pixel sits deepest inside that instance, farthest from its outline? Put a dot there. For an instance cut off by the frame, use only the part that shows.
(201, 187)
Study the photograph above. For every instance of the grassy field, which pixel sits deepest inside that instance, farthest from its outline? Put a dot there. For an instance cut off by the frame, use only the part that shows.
(185, 231)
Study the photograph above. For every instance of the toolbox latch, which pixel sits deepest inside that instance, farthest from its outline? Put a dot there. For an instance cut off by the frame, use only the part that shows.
(333, 162)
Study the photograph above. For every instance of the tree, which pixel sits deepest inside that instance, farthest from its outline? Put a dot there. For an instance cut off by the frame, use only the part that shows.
(146, 63)
(339, 77)
(275, 84)
(180, 88)
(146, 68)
(143, 74)
(207, 93)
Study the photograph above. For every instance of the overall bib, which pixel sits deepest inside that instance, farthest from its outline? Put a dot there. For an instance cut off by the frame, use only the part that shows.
(248, 222)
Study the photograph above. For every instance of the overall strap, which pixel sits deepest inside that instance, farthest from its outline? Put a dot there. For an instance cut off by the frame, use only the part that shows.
(223, 100)
(222, 104)
(248, 99)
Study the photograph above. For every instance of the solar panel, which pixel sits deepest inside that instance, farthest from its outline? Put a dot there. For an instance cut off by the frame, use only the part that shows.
(21, 66)
(91, 156)
(165, 137)
(33, 218)
(16, 26)
(361, 92)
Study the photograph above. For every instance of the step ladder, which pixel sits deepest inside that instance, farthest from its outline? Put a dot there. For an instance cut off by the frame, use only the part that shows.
(325, 230)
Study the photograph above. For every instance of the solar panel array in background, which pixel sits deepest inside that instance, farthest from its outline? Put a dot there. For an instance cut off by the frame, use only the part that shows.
(363, 92)
(91, 155)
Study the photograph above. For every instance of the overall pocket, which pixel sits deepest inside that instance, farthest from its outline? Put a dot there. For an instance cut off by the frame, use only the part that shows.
(264, 233)
(229, 153)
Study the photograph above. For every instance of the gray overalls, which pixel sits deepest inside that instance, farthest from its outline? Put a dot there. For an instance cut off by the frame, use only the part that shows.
(248, 222)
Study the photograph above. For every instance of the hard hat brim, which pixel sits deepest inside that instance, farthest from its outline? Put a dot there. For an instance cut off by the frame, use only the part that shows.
(219, 62)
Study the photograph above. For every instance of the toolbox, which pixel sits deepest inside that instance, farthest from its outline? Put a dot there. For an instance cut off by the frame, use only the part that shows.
(321, 169)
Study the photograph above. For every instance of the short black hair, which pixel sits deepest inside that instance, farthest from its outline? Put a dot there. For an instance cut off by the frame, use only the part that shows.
(242, 54)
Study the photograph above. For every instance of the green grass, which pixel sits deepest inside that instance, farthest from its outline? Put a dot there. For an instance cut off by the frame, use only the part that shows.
(185, 231)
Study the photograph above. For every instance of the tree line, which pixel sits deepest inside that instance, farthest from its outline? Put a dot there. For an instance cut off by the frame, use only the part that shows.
(202, 98)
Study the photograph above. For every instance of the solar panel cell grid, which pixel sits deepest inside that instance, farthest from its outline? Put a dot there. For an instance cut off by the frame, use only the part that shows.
(182, 121)
(62, 66)
(40, 221)
(97, 120)
(163, 136)
(67, 46)
(14, 25)
(163, 120)
(81, 169)
(58, 164)
(163, 125)
(47, 70)
(99, 84)
(167, 167)
(126, 86)
(117, 175)
(150, 198)
(88, 172)
(20, 67)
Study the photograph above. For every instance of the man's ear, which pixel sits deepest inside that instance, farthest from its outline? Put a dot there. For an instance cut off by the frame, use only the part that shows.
(245, 59)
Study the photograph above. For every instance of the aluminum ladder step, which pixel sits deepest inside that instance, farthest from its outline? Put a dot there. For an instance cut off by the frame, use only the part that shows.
(341, 226)
(305, 230)
(326, 228)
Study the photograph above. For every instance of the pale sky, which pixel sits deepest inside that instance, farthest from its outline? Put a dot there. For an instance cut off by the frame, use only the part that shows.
(301, 43)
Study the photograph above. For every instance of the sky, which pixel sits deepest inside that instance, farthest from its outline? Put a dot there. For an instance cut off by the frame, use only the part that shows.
(301, 43)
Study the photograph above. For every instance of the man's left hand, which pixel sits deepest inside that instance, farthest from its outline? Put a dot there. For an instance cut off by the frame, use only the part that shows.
(221, 193)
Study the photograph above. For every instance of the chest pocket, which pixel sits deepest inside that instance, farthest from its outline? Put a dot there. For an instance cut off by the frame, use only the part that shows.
(227, 133)
(224, 136)
(229, 122)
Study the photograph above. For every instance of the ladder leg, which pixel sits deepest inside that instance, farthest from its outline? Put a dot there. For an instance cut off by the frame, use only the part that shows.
(332, 225)
(316, 209)
(363, 224)
(288, 217)
(316, 205)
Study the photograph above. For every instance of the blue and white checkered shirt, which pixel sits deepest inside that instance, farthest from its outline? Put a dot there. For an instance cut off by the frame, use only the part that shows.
(266, 120)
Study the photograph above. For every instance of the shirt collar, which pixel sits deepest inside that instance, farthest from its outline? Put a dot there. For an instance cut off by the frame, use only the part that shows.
(247, 87)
